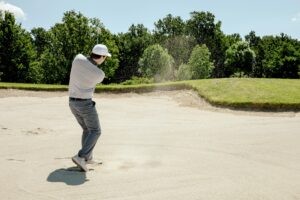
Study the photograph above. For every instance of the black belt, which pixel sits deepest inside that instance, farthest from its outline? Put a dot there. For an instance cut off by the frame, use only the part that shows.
(78, 99)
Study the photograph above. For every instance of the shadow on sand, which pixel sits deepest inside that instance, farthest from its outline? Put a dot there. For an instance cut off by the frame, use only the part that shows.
(70, 176)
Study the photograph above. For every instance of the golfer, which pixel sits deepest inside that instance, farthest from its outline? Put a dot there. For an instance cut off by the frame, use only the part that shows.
(83, 79)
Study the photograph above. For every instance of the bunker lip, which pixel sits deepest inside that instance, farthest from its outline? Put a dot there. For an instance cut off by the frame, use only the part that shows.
(184, 97)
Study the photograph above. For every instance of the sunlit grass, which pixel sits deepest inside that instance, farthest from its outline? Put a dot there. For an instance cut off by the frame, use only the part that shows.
(251, 93)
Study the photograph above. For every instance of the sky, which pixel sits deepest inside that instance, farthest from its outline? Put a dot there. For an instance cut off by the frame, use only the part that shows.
(265, 17)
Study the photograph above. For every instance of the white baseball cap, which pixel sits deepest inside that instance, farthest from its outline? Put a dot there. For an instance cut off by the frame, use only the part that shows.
(101, 49)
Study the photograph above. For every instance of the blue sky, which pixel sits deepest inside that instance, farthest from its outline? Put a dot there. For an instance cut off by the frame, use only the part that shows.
(265, 17)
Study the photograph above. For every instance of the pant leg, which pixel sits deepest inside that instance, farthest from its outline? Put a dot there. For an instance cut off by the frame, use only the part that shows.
(88, 116)
(81, 122)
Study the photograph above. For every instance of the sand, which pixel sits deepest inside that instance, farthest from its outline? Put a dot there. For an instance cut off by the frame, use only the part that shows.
(154, 146)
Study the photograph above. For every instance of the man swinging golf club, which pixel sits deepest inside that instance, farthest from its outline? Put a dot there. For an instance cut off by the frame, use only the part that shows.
(83, 79)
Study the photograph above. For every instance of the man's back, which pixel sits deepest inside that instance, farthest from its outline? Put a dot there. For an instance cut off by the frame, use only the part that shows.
(84, 77)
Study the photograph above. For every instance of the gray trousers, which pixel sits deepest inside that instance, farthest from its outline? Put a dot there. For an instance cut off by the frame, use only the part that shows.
(86, 115)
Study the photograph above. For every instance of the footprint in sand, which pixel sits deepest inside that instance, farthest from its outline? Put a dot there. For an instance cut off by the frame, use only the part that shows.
(38, 131)
(3, 127)
(17, 160)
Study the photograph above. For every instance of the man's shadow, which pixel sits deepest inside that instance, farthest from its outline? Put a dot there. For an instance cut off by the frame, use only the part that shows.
(69, 176)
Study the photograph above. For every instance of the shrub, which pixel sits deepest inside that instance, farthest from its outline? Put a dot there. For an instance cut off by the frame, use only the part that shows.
(138, 80)
(183, 72)
(156, 63)
(199, 62)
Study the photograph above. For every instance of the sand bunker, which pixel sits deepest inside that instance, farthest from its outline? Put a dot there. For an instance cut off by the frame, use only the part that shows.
(161, 145)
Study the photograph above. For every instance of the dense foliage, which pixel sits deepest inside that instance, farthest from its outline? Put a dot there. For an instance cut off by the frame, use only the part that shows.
(240, 59)
(200, 64)
(156, 62)
(175, 49)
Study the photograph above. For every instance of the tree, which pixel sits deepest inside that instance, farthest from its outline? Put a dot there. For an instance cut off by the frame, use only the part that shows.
(111, 65)
(180, 48)
(232, 39)
(240, 58)
(252, 39)
(76, 34)
(199, 62)
(35, 73)
(203, 27)
(16, 50)
(168, 27)
(40, 40)
(156, 62)
(170, 33)
(131, 45)
(281, 57)
(255, 43)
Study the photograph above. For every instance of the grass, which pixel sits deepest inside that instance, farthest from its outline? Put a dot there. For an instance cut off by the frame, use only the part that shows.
(239, 93)
(29, 86)
(259, 94)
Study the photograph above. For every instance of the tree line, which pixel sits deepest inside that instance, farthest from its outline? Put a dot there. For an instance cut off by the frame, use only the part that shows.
(175, 50)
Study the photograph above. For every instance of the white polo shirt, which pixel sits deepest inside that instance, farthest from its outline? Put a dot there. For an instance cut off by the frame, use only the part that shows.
(84, 77)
